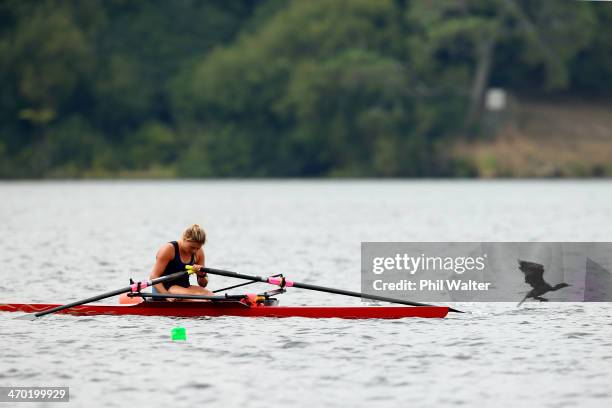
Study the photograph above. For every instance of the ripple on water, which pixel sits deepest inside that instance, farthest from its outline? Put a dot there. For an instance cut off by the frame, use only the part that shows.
(197, 385)
(577, 335)
(63, 376)
(294, 344)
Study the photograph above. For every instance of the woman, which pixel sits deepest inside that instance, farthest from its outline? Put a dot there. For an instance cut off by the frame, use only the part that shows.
(173, 256)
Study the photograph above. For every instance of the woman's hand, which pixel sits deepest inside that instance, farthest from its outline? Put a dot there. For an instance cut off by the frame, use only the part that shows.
(198, 269)
(203, 281)
(202, 276)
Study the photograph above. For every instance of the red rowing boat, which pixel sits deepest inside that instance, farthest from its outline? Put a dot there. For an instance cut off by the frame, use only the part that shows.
(246, 305)
(236, 308)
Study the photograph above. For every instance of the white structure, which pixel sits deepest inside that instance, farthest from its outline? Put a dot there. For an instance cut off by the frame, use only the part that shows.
(495, 99)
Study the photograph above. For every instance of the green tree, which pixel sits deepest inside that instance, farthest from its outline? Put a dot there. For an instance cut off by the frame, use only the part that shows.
(307, 86)
(457, 41)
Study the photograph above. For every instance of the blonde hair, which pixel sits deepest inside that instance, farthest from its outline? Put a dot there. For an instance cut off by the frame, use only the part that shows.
(195, 233)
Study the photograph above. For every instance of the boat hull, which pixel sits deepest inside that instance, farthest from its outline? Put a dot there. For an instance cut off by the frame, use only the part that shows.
(206, 309)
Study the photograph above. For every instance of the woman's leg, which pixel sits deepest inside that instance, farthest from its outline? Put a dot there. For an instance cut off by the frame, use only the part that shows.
(191, 290)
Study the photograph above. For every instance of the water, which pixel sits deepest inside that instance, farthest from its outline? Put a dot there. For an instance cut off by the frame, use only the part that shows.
(61, 241)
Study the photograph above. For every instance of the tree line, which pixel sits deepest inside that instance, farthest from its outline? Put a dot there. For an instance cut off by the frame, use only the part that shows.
(275, 88)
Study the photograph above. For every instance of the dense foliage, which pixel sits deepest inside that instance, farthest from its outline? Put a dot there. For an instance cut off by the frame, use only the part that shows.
(274, 88)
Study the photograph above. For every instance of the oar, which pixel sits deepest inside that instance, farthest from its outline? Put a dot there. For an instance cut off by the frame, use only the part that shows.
(134, 287)
(282, 282)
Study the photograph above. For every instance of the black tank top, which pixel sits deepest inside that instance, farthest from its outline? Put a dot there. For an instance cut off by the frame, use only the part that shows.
(176, 265)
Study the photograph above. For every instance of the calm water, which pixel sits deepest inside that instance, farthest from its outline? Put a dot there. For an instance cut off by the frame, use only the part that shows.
(62, 241)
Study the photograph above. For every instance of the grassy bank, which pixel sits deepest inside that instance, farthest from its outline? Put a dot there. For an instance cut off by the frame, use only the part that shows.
(564, 138)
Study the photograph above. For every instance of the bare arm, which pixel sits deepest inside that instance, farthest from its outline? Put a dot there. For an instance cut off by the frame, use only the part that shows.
(164, 255)
(200, 259)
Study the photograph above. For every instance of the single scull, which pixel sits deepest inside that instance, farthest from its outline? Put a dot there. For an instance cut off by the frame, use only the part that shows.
(236, 308)
(248, 305)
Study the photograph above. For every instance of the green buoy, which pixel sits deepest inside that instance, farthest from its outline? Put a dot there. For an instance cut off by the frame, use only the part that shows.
(179, 333)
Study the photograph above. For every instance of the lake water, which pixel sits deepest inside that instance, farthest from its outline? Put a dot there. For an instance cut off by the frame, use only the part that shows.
(62, 241)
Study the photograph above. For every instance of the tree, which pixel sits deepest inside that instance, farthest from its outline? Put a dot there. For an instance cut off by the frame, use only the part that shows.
(461, 37)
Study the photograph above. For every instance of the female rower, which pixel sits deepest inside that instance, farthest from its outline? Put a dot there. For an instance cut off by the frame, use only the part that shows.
(173, 256)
